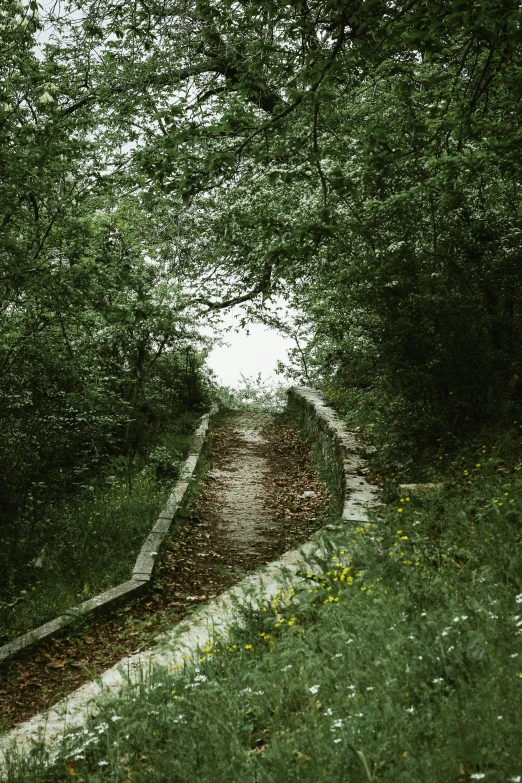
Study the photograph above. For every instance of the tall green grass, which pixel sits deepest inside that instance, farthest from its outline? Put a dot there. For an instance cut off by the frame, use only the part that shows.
(401, 663)
(89, 540)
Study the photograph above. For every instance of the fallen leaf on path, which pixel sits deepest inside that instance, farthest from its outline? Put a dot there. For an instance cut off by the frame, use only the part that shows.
(56, 664)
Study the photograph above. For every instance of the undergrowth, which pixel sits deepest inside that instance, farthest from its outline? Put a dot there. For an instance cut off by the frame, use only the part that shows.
(401, 663)
(409, 449)
(88, 541)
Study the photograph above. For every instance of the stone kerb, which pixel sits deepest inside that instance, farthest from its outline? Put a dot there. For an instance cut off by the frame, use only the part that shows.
(341, 450)
(308, 406)
(183, 643)
(177, 647)
(143, 567)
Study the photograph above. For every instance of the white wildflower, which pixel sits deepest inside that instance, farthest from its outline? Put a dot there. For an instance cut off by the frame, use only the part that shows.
(314, 688)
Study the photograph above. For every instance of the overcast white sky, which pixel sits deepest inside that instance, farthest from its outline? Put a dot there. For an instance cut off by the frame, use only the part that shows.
(253, 350)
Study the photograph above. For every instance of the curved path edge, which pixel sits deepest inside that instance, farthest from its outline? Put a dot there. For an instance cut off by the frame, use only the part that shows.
(143, 567)
(183, 643)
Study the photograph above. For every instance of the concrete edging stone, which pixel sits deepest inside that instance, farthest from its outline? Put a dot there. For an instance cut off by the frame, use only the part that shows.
(356, 494)
(182, 644)
(142, 569)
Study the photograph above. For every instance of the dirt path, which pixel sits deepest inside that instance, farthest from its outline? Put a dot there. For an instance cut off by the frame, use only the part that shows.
(243, 517)
(260, 496)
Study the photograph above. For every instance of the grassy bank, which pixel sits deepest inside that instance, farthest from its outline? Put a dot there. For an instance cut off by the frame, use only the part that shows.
(90, 540)
(404, 665)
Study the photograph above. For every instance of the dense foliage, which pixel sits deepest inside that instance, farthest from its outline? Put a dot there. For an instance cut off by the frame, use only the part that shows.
(360, 158)
(97, 351)
(162, 160)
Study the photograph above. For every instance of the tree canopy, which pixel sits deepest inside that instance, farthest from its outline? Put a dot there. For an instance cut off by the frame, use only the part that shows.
(163, 160)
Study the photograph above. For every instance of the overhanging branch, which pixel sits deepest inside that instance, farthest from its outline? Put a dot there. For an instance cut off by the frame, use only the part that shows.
(263, 287)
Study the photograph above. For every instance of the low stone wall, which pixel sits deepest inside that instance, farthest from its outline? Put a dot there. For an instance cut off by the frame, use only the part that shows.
(143, 567)
(341, 451)
(344, 454)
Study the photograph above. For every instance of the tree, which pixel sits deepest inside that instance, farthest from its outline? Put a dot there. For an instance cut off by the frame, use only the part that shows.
(363, 155)
(163, 161)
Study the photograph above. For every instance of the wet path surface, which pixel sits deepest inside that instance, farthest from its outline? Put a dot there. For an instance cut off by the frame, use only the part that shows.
(260, 496)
